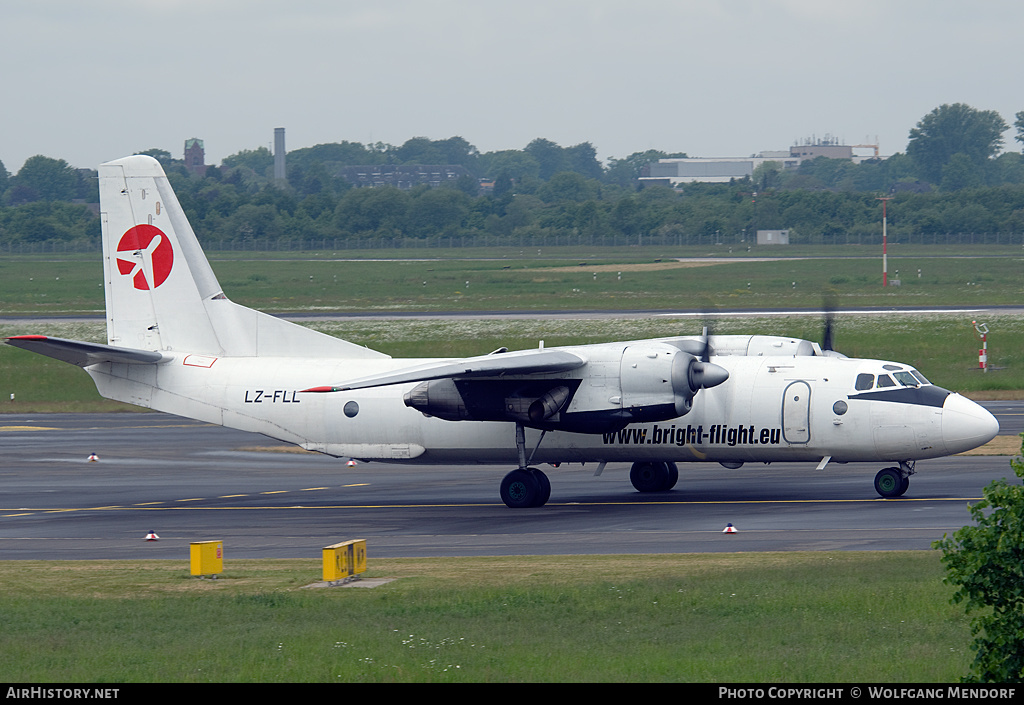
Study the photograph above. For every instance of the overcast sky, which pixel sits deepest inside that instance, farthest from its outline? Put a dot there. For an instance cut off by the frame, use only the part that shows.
(92, 80)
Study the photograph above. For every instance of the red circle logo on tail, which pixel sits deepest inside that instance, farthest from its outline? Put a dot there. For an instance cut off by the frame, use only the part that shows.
(145, 254)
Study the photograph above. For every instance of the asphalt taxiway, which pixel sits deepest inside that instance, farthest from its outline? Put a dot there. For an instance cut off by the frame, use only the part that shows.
(187, 481)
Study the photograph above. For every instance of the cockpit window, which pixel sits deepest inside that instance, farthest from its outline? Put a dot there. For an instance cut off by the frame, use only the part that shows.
(920, 377)
(864, 381)
(906, 379)
(885, 381)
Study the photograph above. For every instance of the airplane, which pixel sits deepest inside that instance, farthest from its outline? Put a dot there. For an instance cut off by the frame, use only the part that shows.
(177, 344)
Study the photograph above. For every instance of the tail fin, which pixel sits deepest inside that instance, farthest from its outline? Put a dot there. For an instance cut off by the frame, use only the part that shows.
(162, 293)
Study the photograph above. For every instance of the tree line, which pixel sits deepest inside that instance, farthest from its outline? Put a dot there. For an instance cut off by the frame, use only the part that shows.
(954, 179)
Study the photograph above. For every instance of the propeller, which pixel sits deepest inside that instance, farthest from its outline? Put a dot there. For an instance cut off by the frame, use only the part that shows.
(826, 337)
(706, 350)
(829, 315)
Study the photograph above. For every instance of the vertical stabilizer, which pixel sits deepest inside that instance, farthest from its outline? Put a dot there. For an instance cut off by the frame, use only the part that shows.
(162, 293)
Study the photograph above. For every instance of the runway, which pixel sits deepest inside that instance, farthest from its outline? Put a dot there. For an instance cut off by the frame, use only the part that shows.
(189, 482)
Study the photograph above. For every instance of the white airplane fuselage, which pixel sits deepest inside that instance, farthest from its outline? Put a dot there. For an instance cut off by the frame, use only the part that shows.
(771, 409)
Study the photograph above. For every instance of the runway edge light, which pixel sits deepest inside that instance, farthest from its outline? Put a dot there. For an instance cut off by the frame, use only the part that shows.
(344, 561)
(206, 557)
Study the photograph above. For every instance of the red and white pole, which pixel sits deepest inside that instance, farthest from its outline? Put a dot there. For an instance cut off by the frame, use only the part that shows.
(885, 241)
(982, 330)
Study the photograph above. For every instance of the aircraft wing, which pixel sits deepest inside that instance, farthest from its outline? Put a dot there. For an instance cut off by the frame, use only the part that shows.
(80, 353)
(523, 362)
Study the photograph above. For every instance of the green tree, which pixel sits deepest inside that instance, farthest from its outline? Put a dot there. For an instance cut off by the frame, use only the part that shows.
(625, 172)
(260, 160)
(43, 179)
(549, 156)
(568, 186)
(960, 172)
(334, 154)
(986, 563)
(1019, 124)
(582, 159)
(161, 155)
(766, 175)
(954, 129)
(438, 211)
(511, 164)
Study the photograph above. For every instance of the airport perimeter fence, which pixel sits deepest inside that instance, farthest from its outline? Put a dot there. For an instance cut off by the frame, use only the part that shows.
(734, 243)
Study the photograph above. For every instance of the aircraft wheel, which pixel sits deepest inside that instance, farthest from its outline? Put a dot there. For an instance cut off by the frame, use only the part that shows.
(673, 476)
(545, 488)
(904, 486)
(890, 483)
(652, 477)
(523, 488)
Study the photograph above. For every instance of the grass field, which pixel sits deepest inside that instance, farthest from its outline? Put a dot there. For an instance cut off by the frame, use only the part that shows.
(556, 279)
(733, 618)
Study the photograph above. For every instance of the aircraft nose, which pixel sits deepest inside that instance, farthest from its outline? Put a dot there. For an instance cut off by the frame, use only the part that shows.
(966, 425)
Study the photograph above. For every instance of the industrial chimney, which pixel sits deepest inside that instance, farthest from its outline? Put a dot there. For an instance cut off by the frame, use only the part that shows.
(279, 171)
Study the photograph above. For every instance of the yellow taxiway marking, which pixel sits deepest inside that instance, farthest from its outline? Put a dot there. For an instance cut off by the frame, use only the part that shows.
(51, 510)
(232, 496)
(27, 428)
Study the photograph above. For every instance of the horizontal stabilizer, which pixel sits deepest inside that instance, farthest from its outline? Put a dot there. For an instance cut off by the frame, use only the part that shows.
(83, 354)
(524, 362)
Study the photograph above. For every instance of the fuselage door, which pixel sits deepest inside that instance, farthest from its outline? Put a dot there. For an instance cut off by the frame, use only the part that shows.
(796, 413)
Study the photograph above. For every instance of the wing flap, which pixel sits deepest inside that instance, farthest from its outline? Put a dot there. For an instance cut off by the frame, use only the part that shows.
(83, 354)
(523, 362)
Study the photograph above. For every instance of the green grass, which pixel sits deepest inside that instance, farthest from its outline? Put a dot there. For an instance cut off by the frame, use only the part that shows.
(509, 281)
(734, 618)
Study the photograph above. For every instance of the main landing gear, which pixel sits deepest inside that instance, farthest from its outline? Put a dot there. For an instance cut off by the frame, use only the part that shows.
(894, 482)
(525, 486)
(654, 477)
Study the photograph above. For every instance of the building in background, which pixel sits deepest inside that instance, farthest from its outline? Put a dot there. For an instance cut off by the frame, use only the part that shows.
(672, 172)
(402, 176)
(195, 157)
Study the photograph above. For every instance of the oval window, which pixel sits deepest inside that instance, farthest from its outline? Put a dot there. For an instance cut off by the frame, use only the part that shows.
(351, 409)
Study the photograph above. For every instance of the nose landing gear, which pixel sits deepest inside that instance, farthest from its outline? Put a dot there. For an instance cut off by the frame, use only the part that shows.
(894, 482)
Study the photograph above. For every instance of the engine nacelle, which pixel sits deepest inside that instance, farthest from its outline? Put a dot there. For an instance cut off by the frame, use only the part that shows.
(659, 381)
(619, 385)
(440, 398)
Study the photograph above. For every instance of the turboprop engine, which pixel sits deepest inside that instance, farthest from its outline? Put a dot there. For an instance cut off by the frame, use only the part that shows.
(619, 385)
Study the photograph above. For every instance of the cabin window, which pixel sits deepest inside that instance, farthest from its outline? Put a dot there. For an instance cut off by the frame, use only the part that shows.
(864, 381)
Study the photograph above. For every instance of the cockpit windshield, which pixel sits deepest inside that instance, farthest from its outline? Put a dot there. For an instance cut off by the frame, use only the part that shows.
(897, 377)
(906, 379)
